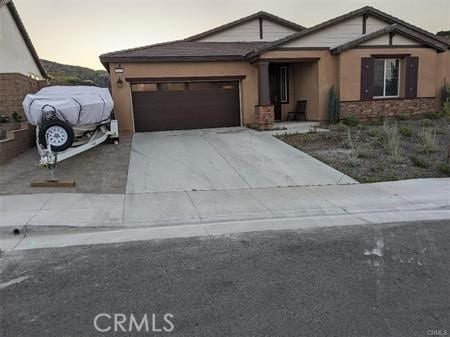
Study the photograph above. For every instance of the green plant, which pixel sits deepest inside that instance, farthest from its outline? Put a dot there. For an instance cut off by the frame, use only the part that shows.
(428, 139)
(362, 127)
(339, 127)
(16, 117)
(375, 121)
(420, 161)
(445, 96)
(405, 131)
(351, 120)
(402, 116)
(374, 132)
(392, 139)
(333, 106)
(4, 118)
(444, 168)
(427, 122)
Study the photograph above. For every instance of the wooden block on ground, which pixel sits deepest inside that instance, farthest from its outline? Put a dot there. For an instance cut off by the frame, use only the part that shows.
(53, 183)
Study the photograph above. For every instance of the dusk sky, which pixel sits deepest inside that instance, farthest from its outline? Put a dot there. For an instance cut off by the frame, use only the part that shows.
(78, 31)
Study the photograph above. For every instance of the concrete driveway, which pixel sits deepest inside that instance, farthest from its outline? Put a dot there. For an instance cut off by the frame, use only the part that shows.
(219, 159)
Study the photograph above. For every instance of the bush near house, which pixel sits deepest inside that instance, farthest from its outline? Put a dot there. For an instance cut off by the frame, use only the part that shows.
(333, 107)
(394, 150)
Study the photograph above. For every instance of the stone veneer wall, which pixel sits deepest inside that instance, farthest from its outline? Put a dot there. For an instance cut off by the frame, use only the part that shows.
(265, 117)
(388, 107)
(13, 88)
(16, 142)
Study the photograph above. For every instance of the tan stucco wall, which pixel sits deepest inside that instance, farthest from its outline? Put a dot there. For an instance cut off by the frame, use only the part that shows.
(350, 70)
(311, 80)
(123, 108)
(306, 87)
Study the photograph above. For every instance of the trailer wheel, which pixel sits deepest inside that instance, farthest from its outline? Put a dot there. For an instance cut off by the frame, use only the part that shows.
(59, 134)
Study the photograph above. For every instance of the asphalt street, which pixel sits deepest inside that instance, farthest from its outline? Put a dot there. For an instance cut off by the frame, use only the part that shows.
(361, 281)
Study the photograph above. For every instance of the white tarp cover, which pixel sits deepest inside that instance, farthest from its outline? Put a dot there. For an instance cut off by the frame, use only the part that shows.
(78, 105)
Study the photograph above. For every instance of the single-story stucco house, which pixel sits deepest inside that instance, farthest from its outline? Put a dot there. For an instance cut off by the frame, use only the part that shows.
(253, 70)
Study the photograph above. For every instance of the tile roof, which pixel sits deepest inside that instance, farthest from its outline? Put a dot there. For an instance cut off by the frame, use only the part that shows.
(184, 50)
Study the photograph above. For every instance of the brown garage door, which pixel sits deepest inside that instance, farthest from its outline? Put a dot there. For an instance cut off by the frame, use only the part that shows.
(185, 105)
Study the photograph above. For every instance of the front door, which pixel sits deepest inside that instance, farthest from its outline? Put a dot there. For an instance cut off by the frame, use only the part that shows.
(275, 89)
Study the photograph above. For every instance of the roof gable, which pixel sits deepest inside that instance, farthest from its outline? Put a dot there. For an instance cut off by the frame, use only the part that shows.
(261, 26)
(367, 11)
(399, 36)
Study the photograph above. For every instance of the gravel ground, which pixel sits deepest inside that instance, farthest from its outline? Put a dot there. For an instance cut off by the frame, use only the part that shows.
(366, 158)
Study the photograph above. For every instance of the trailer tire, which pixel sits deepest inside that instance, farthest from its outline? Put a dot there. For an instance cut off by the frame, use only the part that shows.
(59, 133)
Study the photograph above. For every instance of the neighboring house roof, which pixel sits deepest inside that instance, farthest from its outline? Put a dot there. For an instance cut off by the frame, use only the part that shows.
(25, 36)
(258, 15)
(364, 10)
(395, 28)
(185, 51)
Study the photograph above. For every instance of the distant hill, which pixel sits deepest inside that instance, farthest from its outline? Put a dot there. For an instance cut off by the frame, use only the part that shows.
(63, 74)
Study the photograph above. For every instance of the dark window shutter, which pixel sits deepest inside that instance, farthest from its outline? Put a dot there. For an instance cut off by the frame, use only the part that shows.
(367, 72)
(412, 73)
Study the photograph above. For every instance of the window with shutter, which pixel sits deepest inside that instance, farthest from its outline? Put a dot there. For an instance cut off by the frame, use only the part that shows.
(412, 72)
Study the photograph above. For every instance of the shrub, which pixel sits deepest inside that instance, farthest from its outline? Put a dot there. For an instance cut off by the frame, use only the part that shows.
(427, 122)
(428, 139)
(444, 168)
(374, 132)
(16, 117)
(333, 107)
(392, 139)
(405, 131)
(446, 108)
(4, 118)
(402, 116)
(375, 121)
(445, 98)
(420, 161)
(351, 120)
(362, 126)
(339, 127)
(432, 115)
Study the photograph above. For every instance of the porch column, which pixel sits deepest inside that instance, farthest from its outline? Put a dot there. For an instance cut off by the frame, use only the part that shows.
(264, 111)
(263, 83)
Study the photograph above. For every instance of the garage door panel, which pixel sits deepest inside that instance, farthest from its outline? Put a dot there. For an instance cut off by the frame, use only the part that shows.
(186, 109)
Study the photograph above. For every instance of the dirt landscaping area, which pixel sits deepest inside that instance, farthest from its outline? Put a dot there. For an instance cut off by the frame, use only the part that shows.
(382, 150)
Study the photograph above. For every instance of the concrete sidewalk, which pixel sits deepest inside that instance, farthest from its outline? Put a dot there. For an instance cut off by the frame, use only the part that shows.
(386, 201)
(175, 208)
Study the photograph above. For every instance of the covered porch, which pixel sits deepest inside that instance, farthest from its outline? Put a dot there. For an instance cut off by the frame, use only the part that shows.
(289, 88)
